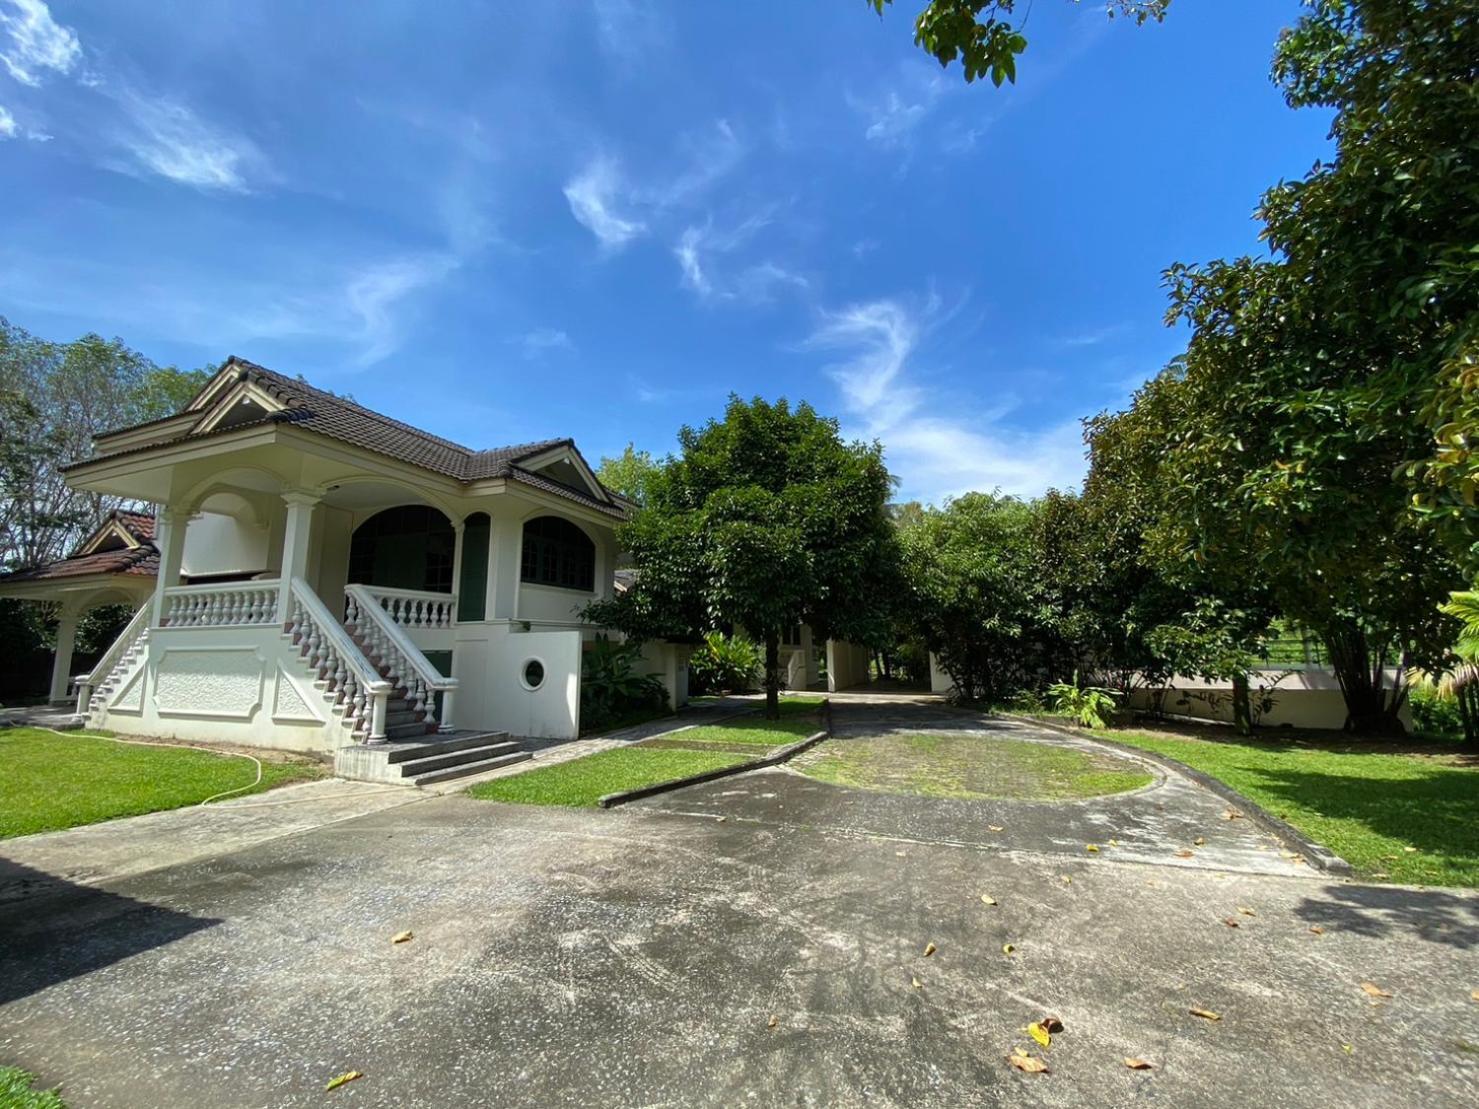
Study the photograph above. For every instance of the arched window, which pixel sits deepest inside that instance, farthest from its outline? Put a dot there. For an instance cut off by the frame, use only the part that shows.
(556, 552)
(409, 547)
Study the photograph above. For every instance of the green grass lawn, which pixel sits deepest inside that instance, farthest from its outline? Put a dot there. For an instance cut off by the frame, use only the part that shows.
(50, 781)
(969, 767)
(17, 1091)
(756, 730)
(582, 782)
(1370, 808)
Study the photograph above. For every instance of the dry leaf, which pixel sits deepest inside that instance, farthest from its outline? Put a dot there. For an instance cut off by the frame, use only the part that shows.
(774, 1020)
(996, 827)
(1092, 848)
(1317, 930)
(1052, 1024)
(1067, 881)
(1027, 1063)
(1199, 841)
(1185, 854)
(339, 1079)
(1246, 911)
(1114, 843)
(1138, 1064)
(1039, 1033)
(1232, 814)
(1230, 922)
(1205, 1014)
(1474, 995)
(1373, 990)
(1007, 949)
(916, 983)
(900, 854)
(401, 937)
(987, 899)
(929, 949)
(1348, 1048)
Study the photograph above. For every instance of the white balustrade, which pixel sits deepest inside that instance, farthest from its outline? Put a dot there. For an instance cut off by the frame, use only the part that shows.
(376, 625)
(119, 652)
(414, 608)
(350, 682)
(211, 606)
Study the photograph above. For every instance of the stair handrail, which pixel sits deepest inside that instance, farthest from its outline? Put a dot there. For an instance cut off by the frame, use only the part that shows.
(408, 665)
(104, 667)
(353, 682)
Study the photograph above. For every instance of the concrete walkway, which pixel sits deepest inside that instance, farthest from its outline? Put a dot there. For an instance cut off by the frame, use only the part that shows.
(97, 853)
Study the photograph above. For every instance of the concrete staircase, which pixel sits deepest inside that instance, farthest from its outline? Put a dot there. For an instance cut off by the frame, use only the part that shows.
(451, 755)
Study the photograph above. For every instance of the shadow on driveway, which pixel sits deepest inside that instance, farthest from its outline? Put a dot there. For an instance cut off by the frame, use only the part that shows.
(1395, 913)
(61, 930)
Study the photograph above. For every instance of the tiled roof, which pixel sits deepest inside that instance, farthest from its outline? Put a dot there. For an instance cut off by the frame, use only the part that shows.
(138, 524)
(143, 561)
(342, 419)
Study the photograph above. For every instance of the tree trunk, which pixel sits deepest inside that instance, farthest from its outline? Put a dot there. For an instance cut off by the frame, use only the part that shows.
(1242, 711)
(1369, 711)
(772, 675)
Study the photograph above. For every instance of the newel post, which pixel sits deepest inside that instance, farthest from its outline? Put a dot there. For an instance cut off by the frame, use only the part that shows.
(295, 536)
(170, 526)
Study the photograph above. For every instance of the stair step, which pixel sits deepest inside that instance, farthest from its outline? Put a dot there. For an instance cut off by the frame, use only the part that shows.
(401, 716)
(462, 770)
(410, 731)
(443, 744)
(412, 768)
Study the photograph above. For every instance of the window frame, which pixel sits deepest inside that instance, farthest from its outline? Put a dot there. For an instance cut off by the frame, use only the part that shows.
(558, 562)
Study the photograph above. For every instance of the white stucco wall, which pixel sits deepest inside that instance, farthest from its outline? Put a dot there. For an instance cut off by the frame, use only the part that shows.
(220, 544)
(1302, 699)
(487, 661)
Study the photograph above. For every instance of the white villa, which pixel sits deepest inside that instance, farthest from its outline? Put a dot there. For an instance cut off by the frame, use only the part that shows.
(320, 577)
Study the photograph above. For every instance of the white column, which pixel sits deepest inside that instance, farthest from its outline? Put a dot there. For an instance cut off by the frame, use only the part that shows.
(458, 528)
(66, 636)
(169, 536)
(297, 530)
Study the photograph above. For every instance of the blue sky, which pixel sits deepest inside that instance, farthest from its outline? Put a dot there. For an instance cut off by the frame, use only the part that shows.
(597, 218)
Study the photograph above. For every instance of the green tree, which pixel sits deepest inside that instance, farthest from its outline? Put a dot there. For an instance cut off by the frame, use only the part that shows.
(765, 520)
(975, 591)
(986, 36)
(54, 397)
(627, 474)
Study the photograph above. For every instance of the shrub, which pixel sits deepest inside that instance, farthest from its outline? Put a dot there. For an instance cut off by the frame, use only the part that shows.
(610, 687)
(1435, 714)
(726, 664)
(1090, 705)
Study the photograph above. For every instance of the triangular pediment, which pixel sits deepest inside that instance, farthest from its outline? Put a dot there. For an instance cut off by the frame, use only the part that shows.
(565, 465)
(244, 403)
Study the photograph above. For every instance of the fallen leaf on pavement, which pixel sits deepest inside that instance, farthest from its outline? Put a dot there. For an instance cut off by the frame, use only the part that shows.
(1185, 854)
(1246, 911)
(401, 937)
(1348, 1048)
(1230, 922)
(1114, 843)
(1232, 814)
(339, 1079)
(916, 983)
(1138, 1064)
(1199, 841)
(929, 949)
(996, 827)
(987, 899)
(1205, 1014)
(1373, 990)
(774, 1020)
(1039, 1033)
(1052, 1024)
(1067, 881)
(1027, 1063)
(901, 854)
(1092, 848)
(1317, 930)
(1007, 949)
(1474, 995)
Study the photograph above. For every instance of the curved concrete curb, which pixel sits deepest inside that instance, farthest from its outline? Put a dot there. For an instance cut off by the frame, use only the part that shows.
(775, 758)
(1319, 856)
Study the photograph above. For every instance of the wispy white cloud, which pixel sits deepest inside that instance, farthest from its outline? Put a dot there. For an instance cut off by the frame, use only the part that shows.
(1094, 337)
(7, 124)
(375, 294)
(593, 195)
(164, 136)
(702, 252)
(544, 339)
(936, 456)
(891, 118)
(706, 157)
(35, 42)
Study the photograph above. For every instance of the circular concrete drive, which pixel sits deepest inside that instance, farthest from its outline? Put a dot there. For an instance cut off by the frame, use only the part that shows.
(912, 771)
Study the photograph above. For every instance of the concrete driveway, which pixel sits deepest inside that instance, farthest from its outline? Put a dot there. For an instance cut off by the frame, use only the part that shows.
(640, 957)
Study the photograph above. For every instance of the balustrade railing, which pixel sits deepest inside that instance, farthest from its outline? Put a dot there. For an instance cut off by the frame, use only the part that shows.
(210, 606)
(385, 641)
(413, 608)
(351, 682)
(117, 651)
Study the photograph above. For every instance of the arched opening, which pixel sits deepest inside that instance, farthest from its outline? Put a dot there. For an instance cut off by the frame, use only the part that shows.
(410, 546)
(558, 553)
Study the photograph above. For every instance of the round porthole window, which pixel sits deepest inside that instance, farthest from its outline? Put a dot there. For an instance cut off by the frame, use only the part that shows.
(533, 674)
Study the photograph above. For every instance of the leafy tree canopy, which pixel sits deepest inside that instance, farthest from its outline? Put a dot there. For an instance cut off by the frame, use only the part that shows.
(986, 35)
(765, 520)
(627, 473)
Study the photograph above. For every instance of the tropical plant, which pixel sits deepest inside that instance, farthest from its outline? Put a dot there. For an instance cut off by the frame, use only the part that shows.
(610, 686)
(725, 664)
(1091, 705)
